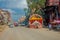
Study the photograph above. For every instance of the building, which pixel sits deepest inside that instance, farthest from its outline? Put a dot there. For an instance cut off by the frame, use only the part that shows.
(22, 19)
(59, 6)
(52, 7)
(5, 16)
(52, 2)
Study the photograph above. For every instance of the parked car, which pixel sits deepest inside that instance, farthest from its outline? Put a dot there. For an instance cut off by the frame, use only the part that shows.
(15, 24)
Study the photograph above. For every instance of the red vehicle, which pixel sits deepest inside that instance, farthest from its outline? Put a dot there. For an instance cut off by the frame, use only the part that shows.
(15, 24)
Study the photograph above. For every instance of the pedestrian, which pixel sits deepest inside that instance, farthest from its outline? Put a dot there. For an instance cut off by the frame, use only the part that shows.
(49, 26)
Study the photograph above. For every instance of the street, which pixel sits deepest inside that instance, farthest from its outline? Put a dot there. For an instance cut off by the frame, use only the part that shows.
(22, 33)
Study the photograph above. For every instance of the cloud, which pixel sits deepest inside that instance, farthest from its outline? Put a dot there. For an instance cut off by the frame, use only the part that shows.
(8, 0)
(22, 4)
(15, 3)
(10, 10)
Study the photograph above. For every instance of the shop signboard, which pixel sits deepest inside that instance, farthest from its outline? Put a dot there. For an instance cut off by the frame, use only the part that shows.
(52, 2)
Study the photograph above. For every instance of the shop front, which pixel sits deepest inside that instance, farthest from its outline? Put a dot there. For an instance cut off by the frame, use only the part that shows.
(35, 21)
(53, 12)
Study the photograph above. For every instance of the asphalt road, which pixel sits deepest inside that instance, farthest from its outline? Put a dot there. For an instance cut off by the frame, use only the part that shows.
(22, 33)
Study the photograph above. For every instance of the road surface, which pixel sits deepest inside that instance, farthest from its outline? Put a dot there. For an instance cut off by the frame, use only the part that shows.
(22, 33)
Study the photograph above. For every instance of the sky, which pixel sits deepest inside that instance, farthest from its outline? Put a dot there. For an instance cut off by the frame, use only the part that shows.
(15, 7)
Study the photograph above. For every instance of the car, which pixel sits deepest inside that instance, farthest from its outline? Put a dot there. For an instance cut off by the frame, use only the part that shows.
(15, 24)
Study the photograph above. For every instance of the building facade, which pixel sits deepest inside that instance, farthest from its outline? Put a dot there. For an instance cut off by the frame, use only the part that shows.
(4, 16)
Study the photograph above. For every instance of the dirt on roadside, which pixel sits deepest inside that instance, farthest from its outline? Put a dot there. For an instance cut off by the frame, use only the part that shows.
(2, 28)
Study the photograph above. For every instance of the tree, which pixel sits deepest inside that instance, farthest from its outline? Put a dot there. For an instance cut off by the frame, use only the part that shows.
(27, 13)
(34, 3)
(35, 6)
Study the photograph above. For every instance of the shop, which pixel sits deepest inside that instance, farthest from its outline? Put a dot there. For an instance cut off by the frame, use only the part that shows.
(52, 12)
(35, 21)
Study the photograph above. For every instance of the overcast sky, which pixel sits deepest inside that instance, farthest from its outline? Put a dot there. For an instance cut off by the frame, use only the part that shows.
(15, 7)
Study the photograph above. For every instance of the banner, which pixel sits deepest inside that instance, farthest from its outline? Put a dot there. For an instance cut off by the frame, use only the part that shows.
(53, 2)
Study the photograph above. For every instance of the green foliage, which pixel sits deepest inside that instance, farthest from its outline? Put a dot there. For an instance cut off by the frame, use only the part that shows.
(42, 3)
(34, 3)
